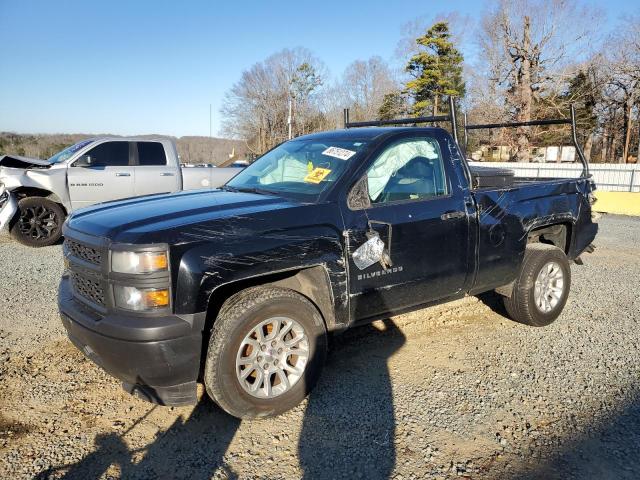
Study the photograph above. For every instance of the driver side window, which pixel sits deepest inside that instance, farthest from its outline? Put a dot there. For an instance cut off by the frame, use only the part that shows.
(411, 169)
(110, 154)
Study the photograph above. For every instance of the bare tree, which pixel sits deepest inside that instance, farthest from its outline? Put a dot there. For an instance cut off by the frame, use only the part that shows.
(364, 86)
(526, 46)
(256, 107)
(623, 86)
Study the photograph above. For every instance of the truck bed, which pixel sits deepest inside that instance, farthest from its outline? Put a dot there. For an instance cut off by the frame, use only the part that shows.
(492, 177)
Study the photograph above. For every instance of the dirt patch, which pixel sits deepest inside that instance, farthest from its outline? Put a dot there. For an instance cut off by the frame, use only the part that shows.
(12, 429)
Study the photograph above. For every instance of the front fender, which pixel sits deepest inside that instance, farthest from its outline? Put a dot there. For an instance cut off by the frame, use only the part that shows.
(203, 270)
(8, 209)
(50, 183)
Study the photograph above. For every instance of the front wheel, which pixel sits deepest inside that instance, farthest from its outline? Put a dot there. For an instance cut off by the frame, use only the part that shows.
(266, 351)
(39, 222)
(541, 290)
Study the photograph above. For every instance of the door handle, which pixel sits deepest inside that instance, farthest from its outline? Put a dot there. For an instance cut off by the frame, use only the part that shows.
(452, 215)
(167, 174)
(123, 174)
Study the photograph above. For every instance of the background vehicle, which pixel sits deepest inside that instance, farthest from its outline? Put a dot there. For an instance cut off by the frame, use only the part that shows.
(240, 164)
(37, 195)
(238, 288)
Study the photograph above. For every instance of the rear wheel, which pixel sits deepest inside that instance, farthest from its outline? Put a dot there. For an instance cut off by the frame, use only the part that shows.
(266, 351)
(541, 290)
(39, 222)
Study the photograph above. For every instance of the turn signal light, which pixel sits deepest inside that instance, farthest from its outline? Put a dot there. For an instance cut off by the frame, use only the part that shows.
(156, 298)
(140, 299)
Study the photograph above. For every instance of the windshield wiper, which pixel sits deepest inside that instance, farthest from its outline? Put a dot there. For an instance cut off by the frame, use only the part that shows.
(261, 191)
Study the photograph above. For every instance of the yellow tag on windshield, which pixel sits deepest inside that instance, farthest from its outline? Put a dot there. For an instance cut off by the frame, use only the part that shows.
(310, 166)
(317, 175)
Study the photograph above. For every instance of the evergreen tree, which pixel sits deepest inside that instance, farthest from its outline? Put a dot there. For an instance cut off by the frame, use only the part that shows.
(581, 91)
(436, 70)
(394, 105)
(585, 94)
(305, 80)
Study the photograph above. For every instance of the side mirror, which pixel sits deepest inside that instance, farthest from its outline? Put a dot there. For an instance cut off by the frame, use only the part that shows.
(358, 198)
(83, 161)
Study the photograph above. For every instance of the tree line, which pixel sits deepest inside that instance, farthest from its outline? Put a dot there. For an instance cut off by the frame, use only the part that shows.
(192, 150)
(529, 59)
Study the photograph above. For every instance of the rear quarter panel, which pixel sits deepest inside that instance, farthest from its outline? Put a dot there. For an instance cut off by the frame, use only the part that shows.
(506, 216)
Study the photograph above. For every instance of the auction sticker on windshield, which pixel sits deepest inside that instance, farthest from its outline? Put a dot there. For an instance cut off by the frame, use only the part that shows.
(337, 152)
(317, 175)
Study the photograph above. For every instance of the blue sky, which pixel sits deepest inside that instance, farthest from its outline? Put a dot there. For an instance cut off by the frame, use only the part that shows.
(155, 66)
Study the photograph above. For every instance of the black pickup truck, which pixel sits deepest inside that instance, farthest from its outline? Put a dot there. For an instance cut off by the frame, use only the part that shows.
(239, 287)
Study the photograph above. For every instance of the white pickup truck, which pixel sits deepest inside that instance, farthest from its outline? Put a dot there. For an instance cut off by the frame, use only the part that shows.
(37, 195)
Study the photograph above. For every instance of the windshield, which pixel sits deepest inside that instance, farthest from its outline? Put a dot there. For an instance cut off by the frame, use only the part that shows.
(68, 152)
(302, 169)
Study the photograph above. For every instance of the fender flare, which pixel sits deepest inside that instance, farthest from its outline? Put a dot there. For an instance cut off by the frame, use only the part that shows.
(313, 282)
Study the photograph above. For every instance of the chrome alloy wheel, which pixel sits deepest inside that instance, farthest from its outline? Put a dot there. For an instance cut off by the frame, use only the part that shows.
(549, 287)
(272, 357)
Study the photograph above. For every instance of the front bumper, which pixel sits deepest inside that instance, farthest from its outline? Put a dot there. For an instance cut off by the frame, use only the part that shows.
(157, 359)
(8, 208)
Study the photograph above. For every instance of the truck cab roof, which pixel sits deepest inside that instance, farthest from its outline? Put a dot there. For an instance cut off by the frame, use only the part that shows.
(141, 138)
(367, 133)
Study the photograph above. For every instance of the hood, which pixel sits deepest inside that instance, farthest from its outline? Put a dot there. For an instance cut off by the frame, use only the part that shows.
(137, 220)
(16, 161)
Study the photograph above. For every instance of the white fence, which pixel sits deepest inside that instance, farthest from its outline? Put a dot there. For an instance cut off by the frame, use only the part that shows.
(608, 176)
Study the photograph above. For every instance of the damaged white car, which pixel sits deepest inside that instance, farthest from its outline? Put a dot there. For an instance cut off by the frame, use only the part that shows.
(37, 195)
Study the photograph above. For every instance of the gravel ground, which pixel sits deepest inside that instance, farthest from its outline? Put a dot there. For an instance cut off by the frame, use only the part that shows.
(450, 391)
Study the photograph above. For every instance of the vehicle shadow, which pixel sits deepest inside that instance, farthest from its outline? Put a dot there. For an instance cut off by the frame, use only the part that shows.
(494, 301)
(349, 425)
(207, 429)
(350, 410)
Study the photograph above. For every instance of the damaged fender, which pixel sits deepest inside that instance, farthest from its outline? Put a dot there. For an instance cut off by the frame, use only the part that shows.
(8, 208)
(52, 181)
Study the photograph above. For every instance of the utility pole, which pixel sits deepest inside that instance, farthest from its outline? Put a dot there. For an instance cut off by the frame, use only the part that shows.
(289, 119)
(638, 152)
(210, 115)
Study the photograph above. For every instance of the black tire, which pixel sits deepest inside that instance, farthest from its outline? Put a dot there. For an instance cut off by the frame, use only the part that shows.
(238, 316)
(38, 222)
(521, 306)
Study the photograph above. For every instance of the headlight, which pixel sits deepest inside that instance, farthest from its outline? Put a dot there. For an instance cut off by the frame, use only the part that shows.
(140, 299)
(139, 262)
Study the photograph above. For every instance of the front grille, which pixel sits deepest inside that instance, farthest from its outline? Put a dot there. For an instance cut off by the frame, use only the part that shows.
(87, 288)
(83, 252)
